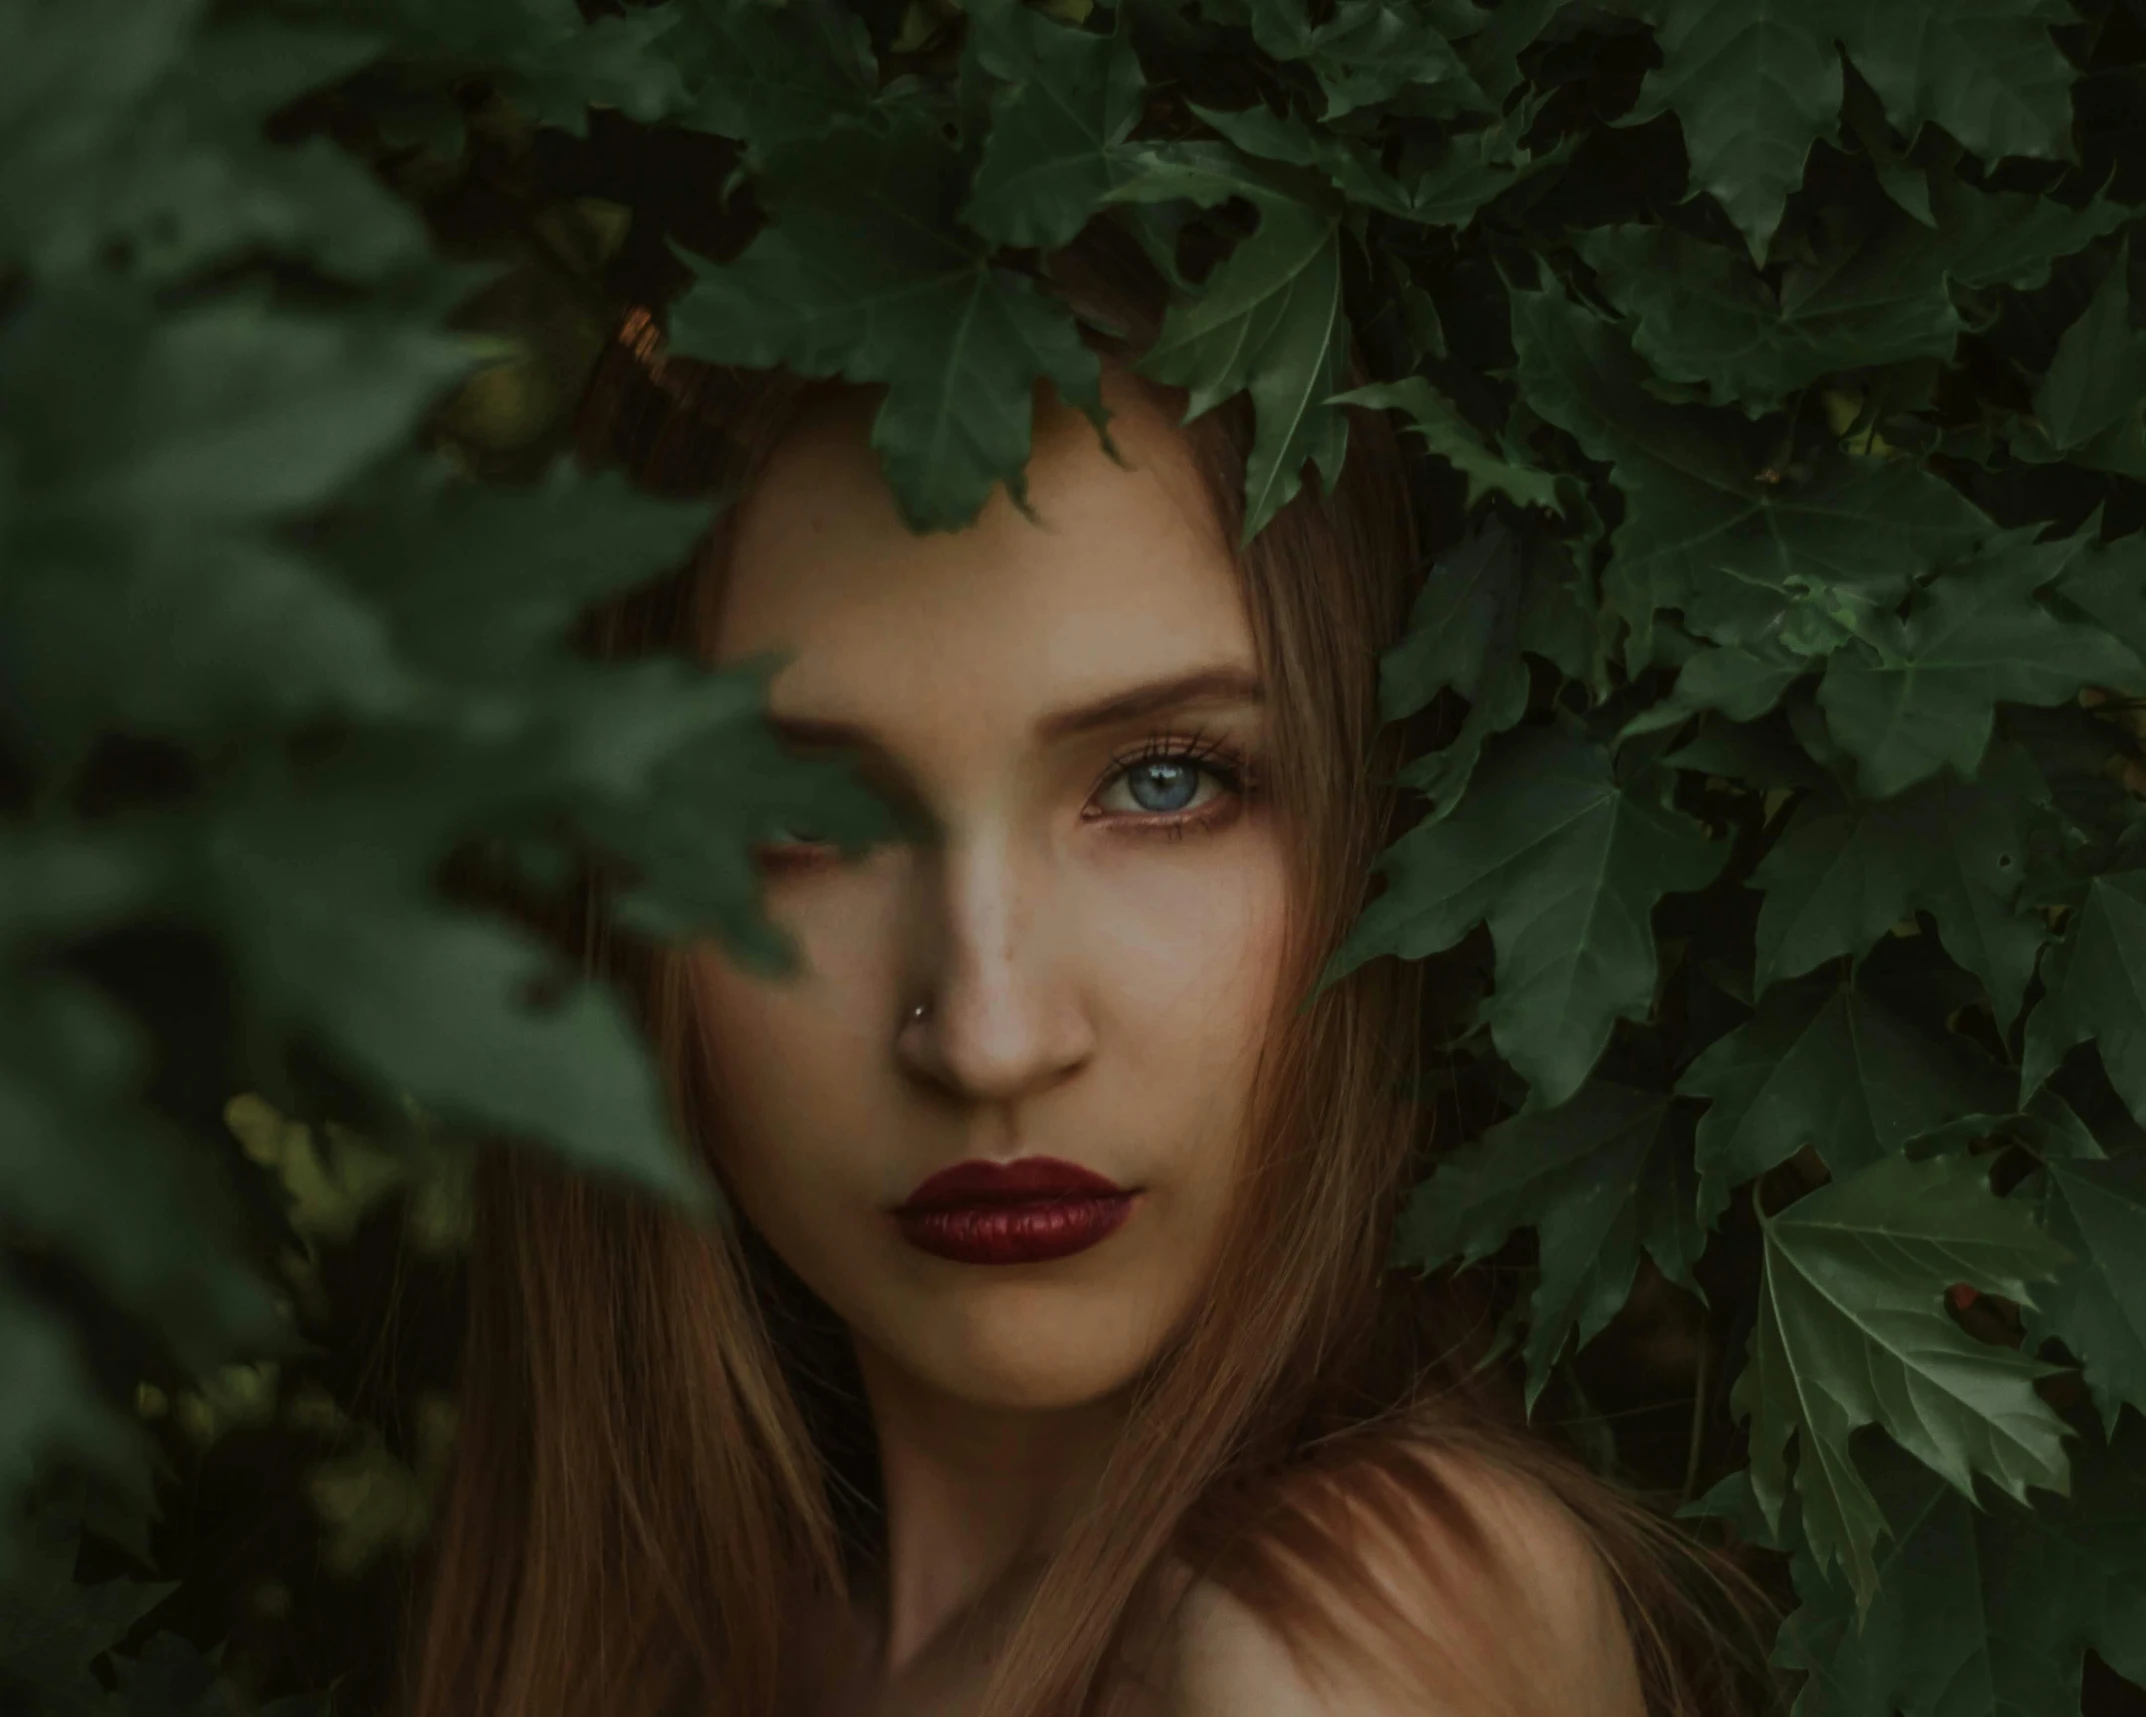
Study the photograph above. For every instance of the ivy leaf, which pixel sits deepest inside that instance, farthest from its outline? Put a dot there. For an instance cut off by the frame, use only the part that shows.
(1754, 83)
(1601, 1178)
(1454, 439)
(1845, 871)
(1826, 1064)
(1565, 862)
(1920, 693)
(1267, 319)
(2090, 405)
(1982, 1606)
(864, 274)
(1853, 1330)
(1988, 71)
(1712, 526)
(2095, 1208)
(1066, 100)
(2091, 989)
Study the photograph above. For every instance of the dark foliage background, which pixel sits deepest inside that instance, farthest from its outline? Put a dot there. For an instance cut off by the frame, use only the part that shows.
(1781, 392)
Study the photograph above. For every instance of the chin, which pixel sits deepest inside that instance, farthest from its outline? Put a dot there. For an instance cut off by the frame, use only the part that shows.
(1029, 1348)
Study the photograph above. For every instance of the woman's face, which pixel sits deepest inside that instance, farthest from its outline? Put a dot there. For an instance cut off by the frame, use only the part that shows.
(1074, 703)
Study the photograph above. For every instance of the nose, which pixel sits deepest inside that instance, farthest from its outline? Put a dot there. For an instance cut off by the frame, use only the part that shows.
(1005, 1015)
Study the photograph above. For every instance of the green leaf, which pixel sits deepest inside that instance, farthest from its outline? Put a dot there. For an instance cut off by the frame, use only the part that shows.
(1982, 1606)
(1876, 293)
(1454, 439)
(2092, 402)
(1442, 181)
(1853, 1330)
(1845, 871)
(160, 155)
(1366, 52)
(2107, 582)
(1267, 319)
(1754, 83)
(50, 1406)
(1486, 604)
(1601, 1178)
(1826, 1064)
(1565, 863)
(476, 579)
(1988, 71)
(2096, 1210)
(1713, 526)
(155, 455)
(865, 274)
(769, 75)
(2092, 989)
(333, 932)
(1920, 693)
(1067, 99)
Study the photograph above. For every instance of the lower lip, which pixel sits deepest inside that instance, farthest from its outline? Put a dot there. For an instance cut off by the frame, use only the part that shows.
(1030, 1232)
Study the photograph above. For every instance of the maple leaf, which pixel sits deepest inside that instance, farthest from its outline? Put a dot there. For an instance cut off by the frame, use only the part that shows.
(865, 274)
(1918, 695)
(1988, 71)
(1268, 320)
(2091, 988)
(1454, 439)
(769, 75)
(1067, 99)
(1601, 1178)
(1983, 1607)
(1755, 83)
(1365, 53)
(1853, 1330)
(1845, 871)
(2092, 404)
(1565, 862)
(2096, 1210)
(1712, 527)
(1826, 1064)
(1486, 604)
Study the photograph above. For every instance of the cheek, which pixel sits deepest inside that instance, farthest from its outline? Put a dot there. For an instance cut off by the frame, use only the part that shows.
(792, 1057)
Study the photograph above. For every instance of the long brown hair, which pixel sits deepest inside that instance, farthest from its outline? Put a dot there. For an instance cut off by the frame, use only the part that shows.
(663, 1459)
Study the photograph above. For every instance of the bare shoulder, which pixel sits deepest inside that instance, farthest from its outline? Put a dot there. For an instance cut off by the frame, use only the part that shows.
(1428, 1583)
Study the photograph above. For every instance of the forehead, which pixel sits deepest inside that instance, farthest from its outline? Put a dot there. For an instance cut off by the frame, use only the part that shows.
(1122, 574)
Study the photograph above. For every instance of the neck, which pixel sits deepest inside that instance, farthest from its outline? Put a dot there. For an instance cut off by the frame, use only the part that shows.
(976, 1499)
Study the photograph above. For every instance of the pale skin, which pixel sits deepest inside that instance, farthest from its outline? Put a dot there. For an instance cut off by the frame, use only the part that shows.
(1072, 700)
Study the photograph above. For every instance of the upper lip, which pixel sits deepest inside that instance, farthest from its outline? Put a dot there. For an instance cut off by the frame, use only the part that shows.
(979, 1181)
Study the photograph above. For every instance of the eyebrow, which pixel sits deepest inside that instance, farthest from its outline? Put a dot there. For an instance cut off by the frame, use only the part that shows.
(1220, 684)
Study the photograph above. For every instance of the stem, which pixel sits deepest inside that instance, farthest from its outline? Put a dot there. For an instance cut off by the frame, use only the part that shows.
(1698, 1412)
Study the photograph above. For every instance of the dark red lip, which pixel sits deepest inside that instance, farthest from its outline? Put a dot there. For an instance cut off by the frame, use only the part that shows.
(1022, 1212)
(1018, 1182)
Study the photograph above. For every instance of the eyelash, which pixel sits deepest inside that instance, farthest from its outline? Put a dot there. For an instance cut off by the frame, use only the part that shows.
(1211, 756)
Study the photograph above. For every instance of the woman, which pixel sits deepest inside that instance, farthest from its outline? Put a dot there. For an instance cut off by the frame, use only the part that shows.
(1052, 1367)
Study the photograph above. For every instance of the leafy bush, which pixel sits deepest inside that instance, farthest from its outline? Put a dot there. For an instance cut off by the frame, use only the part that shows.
(1780, 385)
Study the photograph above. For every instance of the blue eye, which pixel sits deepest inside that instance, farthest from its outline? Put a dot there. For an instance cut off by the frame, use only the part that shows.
(1173, 783)
(1163, 784)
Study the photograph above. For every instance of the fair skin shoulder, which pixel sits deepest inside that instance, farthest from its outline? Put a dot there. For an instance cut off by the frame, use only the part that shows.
(1538, 1635)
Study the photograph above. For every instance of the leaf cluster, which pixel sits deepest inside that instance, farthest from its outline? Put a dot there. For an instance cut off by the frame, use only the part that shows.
(1776, 380)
